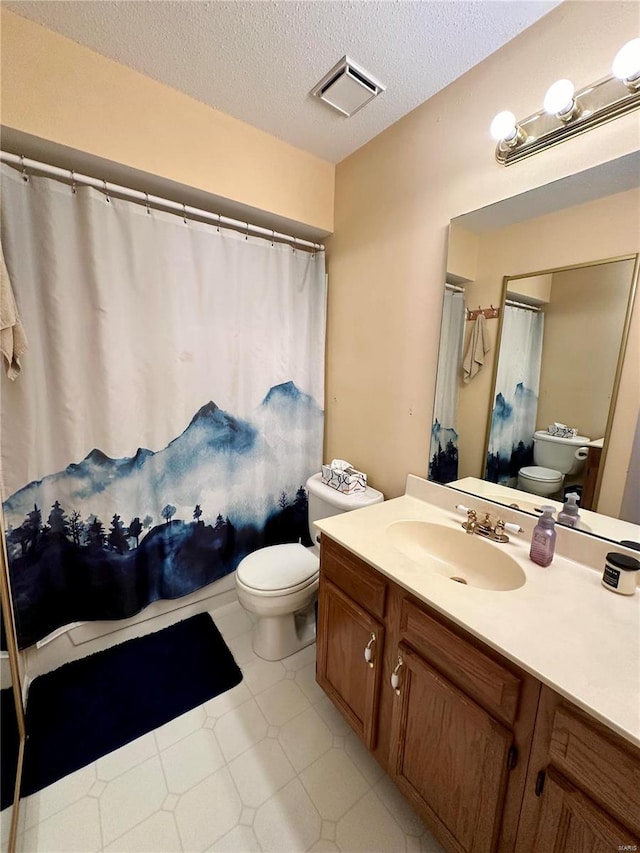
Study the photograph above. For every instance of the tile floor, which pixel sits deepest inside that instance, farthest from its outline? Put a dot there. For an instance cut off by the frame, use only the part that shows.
(268, 766)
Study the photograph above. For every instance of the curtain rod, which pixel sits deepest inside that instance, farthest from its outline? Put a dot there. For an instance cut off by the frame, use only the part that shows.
(453, 287)
(126, 192)
(524, 305)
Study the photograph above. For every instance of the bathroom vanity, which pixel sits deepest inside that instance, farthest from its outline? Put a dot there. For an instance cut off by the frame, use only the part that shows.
(469, 695)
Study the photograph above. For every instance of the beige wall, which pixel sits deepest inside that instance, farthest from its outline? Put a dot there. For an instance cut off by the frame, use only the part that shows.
(462, 257)
(394, 199)
(608, 227)
(534, 290)
(583, 326)
(54, 89)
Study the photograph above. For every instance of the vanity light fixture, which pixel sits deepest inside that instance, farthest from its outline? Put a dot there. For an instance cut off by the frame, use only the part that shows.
(506, 131)
(559, 101)
(568, 112)
(626, 65)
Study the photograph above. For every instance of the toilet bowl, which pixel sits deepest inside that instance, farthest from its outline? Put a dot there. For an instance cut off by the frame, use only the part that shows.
(279, 583)
(537, 480)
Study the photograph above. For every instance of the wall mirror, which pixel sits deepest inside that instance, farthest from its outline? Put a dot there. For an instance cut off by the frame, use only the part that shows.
(554, 273)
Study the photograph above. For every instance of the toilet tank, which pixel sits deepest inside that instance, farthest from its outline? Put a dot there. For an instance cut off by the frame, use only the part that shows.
(325, 501)
(566, 455)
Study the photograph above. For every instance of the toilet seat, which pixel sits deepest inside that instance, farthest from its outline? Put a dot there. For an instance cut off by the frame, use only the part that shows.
(543, 475)
(278, 570)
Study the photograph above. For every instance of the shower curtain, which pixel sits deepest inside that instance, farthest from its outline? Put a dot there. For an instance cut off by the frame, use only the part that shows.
(169, 410)
(513, 419)
(443, 455)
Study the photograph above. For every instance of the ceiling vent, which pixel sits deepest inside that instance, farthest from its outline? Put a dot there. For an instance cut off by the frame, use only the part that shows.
(347, 87)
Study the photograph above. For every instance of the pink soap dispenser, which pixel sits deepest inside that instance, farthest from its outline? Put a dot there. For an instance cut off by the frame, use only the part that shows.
(543, 541)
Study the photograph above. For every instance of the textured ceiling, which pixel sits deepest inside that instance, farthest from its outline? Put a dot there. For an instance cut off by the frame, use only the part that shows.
(258, 60)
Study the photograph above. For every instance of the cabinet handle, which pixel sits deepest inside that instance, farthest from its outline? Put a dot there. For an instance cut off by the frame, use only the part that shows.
(368, 650)
(540, 783)
(395, 675)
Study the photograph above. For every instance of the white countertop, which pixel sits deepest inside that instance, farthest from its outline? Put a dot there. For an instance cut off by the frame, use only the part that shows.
(562, 626)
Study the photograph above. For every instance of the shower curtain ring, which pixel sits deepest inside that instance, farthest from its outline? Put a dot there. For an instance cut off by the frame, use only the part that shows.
(246, 236)
(184, 214)
(147, 203)
(73, 182)
(218, 225)
(25, 175)
(106, 192)
(273, 238)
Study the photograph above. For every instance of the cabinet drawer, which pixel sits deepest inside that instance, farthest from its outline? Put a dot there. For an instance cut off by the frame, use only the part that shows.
(602, 767)
(490, 684)
(353, 576)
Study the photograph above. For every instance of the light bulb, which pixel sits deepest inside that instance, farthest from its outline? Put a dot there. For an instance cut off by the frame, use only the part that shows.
(559, 98)
(503, 127)
(626, 65)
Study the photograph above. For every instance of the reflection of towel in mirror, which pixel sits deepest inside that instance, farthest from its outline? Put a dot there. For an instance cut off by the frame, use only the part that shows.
(13, 340)
(476, 349)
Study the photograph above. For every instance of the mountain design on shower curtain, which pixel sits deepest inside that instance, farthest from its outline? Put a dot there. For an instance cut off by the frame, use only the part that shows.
(443, 465)
(511, 436)
(105, 537)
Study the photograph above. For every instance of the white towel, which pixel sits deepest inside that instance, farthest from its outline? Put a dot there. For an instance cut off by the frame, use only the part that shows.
(477, 348)
(13, 340)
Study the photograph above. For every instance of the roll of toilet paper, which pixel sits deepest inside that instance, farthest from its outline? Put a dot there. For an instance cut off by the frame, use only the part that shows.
(582, 453)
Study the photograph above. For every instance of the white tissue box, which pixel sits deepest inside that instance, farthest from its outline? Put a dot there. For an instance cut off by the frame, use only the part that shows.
(345, 480)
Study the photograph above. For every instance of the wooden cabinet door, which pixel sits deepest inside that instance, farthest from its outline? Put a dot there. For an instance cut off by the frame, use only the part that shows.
(583, 784)
(345, 630)
(572, 823)
(450, 757)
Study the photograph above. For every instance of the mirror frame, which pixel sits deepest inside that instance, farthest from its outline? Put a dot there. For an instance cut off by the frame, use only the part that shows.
(619, 363)
(16, 682)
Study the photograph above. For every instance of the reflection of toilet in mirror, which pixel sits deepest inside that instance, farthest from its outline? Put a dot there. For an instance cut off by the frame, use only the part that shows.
(555, 458)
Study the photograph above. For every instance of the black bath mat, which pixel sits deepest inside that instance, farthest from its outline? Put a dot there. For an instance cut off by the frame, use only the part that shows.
(88, 708)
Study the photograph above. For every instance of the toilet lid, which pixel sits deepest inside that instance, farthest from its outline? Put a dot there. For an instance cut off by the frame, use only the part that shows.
(278, 567)
(536, 472)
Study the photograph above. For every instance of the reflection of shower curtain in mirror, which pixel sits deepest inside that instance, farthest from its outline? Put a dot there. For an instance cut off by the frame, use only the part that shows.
(169, 411)
(515, 407)
(443, 456)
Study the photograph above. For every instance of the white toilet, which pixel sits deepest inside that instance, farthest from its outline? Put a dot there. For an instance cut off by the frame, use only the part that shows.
(555, 458)
(280, 583)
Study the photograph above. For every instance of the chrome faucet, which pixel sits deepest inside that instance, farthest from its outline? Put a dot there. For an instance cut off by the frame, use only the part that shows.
(493, 531)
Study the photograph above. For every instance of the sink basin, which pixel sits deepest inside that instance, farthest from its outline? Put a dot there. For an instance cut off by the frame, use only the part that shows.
(456, 555)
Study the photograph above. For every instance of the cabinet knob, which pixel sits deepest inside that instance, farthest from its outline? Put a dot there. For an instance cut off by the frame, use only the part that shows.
(368, 650)
(395, 675)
